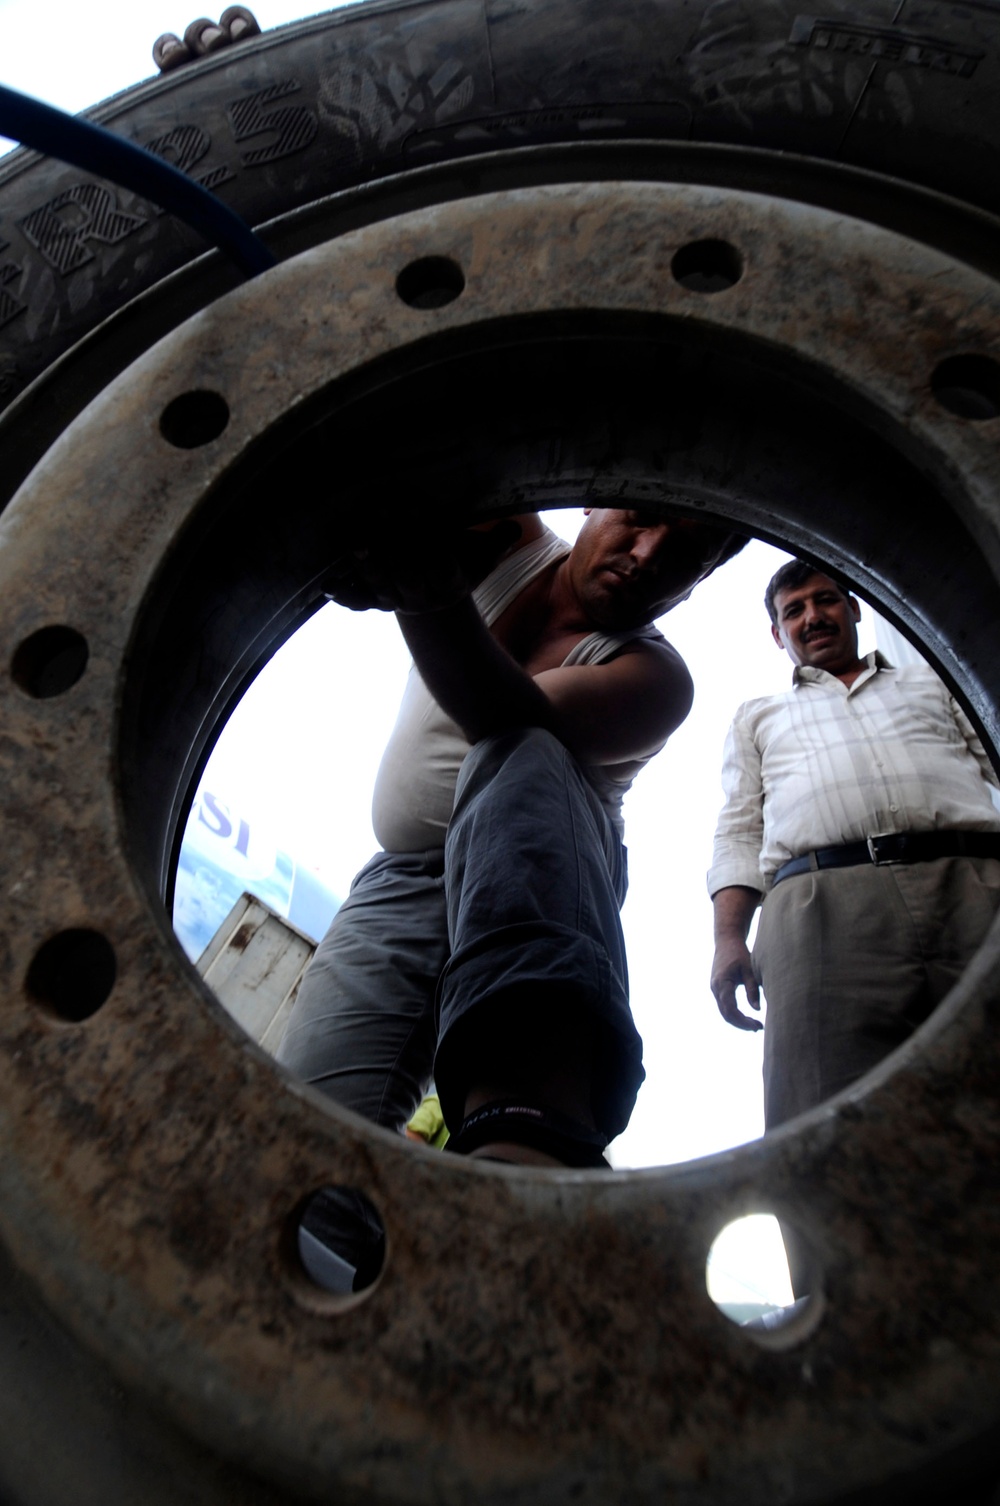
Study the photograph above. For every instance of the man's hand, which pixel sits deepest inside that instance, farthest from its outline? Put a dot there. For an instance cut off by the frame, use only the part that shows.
(416, 572)
(731, 969)
(203, 36)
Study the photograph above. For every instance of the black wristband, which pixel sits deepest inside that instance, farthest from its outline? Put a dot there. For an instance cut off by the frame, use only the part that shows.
(523, 1123)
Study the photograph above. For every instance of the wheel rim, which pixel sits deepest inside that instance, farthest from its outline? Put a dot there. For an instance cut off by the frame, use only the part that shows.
(507, 1347)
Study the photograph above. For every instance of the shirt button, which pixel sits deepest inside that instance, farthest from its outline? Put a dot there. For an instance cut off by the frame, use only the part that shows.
(894, 808)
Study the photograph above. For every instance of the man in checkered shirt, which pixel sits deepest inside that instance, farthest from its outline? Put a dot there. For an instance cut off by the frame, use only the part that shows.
(858, 814)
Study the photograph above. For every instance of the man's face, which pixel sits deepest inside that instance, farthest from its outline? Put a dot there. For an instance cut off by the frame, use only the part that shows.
(817, 625)
(628, 567)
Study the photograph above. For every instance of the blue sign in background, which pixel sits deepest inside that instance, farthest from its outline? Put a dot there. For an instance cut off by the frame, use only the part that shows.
(221, 857)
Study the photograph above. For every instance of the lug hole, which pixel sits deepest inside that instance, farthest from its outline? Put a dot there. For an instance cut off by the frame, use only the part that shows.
(49, 662)
(341, 1241)
(707, 266)
(430, 283)
(72, 974)
(968, 386)
(747, 1276)
(194, 419)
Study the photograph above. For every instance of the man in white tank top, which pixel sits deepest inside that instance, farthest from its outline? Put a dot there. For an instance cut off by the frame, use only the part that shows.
(483, 943)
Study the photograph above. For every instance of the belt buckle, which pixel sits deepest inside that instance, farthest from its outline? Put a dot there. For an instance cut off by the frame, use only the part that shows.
(874, 854)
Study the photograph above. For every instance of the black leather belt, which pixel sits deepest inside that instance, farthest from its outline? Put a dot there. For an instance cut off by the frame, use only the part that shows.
(897, 847)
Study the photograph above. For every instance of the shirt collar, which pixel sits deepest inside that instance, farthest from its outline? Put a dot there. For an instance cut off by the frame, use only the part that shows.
(808, 674)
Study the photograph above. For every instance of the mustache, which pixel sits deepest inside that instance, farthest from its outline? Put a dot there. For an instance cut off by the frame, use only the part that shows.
(625, 568)
(819, 630)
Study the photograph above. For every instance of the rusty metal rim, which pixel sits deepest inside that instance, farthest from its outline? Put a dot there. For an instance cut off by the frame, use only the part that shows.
(152, 1156)
(33, 422)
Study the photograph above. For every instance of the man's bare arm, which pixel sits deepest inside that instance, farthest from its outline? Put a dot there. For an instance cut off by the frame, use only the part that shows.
(609, 713)
(731, 966)
(606, 713)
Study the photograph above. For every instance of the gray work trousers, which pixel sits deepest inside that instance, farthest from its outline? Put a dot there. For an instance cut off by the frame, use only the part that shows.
(521, 905)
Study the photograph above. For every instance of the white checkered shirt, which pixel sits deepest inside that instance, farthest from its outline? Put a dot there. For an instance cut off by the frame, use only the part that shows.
(825, 764)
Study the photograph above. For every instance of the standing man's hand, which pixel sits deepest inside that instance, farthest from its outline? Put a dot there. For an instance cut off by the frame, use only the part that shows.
(731, 966)
(732, 969)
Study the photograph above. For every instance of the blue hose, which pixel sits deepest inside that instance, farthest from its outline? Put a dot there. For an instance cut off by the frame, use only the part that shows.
(95, 150)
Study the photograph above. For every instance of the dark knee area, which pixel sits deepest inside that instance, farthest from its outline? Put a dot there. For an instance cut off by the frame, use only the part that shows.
(544, 1048)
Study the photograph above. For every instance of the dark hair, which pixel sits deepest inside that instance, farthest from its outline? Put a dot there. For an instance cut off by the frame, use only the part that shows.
(730, 546)
(734, 543)
(796, 573)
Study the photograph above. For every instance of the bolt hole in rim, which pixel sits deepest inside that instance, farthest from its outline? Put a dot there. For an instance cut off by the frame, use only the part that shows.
(194, 419)
(49, 662)
(901, 443)
(968, 386)
(341, 1247)
(783, 1322)
(432, 282)
(709, 266)
(72, 975)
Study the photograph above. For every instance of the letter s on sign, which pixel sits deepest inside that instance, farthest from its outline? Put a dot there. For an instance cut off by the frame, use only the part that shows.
(209, 803)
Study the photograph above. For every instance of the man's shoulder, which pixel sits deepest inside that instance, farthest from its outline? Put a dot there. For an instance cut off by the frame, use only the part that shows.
(917, 682)
(649, 641)
(646, 660)
(914, 674)
(762, 705)
(653, 670)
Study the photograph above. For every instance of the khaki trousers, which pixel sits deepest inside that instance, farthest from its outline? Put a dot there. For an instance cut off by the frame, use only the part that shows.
(851, 962)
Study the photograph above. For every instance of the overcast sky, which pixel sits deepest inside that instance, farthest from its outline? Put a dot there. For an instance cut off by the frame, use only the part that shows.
(300, 754)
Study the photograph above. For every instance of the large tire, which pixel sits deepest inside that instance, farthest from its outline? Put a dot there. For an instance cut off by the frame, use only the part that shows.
(535, 1340)
(330, 122)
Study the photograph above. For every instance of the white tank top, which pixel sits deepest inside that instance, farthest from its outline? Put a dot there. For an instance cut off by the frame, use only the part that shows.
(415, 785)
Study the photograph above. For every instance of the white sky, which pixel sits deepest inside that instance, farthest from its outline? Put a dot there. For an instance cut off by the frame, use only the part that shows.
(301, 752)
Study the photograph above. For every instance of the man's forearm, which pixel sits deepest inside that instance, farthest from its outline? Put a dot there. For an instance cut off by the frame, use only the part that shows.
(733, 909)
(471, 676)
(732, 965)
